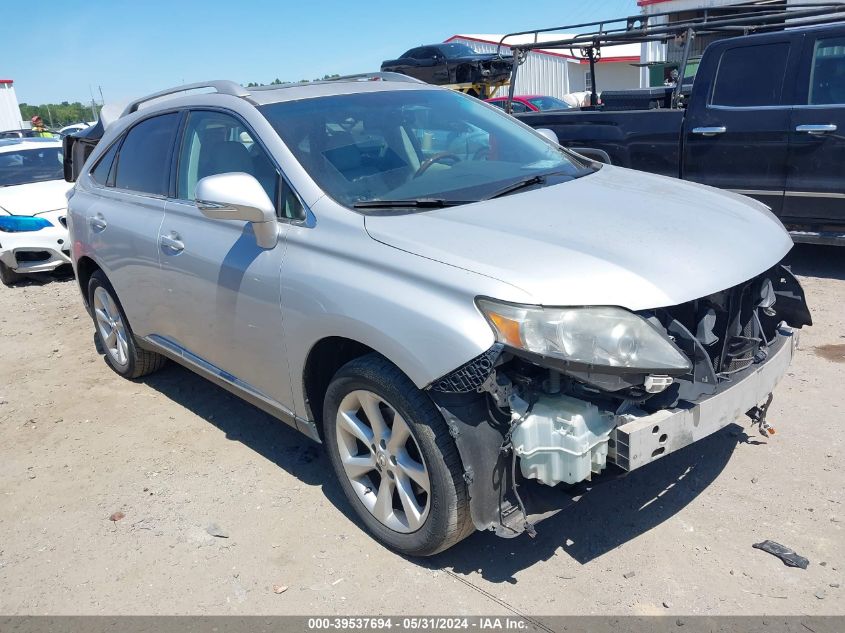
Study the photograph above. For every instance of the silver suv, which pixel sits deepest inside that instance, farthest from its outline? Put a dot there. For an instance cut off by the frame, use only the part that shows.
(457, 307)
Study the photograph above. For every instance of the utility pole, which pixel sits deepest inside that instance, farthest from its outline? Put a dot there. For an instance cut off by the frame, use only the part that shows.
(93, 107)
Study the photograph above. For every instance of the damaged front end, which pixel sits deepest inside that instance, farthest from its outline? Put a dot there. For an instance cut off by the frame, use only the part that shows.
(480, 69)
(660, 380)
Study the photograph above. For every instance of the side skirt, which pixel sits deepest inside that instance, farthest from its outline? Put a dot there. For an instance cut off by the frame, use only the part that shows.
(230, 383)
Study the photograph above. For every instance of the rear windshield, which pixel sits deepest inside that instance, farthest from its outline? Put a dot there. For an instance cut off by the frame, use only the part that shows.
(411, 144)
(23, 166)
(548, 103)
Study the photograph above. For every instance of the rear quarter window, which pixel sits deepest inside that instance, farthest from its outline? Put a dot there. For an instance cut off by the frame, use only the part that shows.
(143, 163)
(750, 76)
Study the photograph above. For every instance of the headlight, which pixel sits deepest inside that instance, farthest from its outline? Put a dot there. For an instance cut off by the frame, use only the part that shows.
(22, 223)
(606, 336)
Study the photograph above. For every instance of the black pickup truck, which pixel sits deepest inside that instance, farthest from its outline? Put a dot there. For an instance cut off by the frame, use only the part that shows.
(765, 118)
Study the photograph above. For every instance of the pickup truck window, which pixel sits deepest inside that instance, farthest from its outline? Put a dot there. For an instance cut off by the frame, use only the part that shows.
(827, 77)
(751, 76)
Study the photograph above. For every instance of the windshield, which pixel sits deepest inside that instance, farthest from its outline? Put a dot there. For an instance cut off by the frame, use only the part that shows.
(452, 51)
(413, 144)
(30, 165)
(548, 103)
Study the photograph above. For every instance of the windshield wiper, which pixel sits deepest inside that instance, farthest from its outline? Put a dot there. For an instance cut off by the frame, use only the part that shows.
(414, 203)
(516, 186)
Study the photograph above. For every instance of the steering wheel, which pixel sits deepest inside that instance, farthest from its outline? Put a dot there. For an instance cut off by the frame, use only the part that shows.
(428, 162)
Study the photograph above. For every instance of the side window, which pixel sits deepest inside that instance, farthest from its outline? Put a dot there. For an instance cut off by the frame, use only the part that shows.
(827, 74)
(218, 143)
(143, 162)
(518, 106)
(498, 104)
(751, 75)
(102, 170)
(292, 208)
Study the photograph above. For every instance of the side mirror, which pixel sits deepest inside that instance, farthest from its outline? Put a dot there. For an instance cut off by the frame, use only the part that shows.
(549, 134)
(239, 196)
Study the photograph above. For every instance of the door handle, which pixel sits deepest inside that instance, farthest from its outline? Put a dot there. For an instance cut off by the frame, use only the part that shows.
(709, 131)
(171, 243)
(97, 223)
(816, 129)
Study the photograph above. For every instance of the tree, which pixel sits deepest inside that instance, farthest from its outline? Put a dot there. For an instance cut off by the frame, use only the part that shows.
(60, 114)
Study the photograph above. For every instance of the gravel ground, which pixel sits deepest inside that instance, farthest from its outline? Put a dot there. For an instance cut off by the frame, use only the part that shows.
(175, 454)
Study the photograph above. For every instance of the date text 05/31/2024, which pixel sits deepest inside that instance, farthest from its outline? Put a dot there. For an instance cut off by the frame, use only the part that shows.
(424, 623)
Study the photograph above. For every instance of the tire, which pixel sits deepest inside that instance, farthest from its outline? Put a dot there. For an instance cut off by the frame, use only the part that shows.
(8, 276)
(408, 413)
(122, 353)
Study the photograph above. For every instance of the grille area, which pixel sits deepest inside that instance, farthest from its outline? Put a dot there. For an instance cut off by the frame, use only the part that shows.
(732, 326)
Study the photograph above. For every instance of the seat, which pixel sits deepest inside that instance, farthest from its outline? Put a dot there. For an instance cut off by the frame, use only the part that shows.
(222, 157)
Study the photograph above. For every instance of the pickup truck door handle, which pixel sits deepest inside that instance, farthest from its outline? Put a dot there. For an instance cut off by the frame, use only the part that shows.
(816, 129)
(171, 244)
(709, 131)
(97, 223)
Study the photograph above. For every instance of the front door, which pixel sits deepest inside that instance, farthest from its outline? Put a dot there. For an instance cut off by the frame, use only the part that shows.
(815, 186)
(223, 289)
(736, 137)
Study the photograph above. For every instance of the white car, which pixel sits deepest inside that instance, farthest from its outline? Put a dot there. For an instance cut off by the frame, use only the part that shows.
(73, 128)
(33, 205)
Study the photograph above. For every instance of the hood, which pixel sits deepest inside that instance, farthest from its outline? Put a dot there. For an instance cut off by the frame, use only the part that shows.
(615, 237)
(34, 197)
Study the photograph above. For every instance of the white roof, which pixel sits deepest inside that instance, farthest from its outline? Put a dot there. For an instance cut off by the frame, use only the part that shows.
(15, 144)
(608, 53)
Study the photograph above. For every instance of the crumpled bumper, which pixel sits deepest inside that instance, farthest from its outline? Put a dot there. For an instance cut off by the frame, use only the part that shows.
(37, 251)
(644, 439)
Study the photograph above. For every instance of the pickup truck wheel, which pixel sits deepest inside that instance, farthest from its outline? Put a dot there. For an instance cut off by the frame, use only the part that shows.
(395, 459)
(114, 334)
(8, 276)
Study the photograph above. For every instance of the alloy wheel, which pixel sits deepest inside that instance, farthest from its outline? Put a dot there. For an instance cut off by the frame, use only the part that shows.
(382, 461)
(111, 327)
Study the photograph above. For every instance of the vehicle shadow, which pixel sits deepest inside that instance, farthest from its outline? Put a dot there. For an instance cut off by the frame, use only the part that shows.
(608, 514)
(592, 520)
(241, 422)
(61, 274)
(809, 260)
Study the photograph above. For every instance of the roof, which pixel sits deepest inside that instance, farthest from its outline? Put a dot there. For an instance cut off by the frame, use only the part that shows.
(6, 81)
(14, 144)
(610, 54)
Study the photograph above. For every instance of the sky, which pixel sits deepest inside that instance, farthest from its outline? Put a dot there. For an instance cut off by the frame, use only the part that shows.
(133, 47)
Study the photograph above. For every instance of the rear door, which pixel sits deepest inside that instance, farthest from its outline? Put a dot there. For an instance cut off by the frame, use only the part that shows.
(815, 186)
(123, 210)
(736, 129)
(223, 291)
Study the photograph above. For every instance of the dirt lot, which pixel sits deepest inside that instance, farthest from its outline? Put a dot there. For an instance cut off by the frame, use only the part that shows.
(174, 454)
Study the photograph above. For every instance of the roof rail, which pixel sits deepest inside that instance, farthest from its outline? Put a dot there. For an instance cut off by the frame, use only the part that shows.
(222, 86)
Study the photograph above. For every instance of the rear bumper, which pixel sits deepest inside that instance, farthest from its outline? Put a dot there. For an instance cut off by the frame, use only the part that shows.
(824, 238)
(646, 438)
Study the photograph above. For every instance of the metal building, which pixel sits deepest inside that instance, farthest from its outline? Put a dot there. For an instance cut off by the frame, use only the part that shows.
(678, 10)
(556, 73)
(10, 111)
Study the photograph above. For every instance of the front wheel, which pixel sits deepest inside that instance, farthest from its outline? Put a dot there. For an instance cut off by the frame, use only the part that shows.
(8, 276)
(398, 465)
